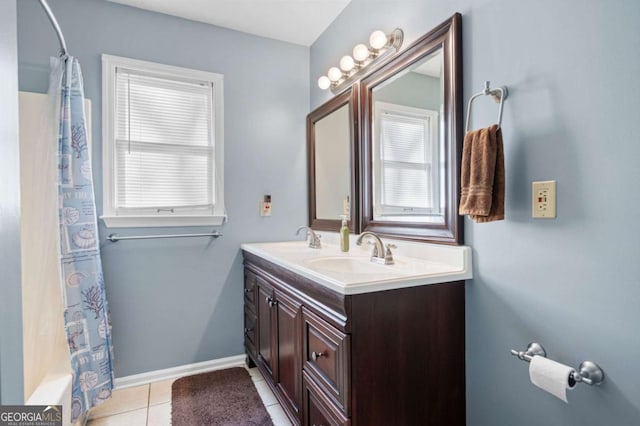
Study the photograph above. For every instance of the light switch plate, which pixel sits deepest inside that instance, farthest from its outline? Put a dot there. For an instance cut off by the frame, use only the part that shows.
(543, 199)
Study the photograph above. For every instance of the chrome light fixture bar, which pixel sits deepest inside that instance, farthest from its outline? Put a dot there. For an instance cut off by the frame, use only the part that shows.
(352, 68)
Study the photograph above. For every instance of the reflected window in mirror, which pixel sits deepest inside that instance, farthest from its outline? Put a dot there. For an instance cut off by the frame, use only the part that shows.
(408, 167)
(405, 165)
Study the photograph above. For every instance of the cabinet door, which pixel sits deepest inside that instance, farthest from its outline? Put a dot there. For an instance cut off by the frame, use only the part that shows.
(325, 352)
(250, 332)
(289, 360)
(318, 409)
(250, 290)
(266, 326)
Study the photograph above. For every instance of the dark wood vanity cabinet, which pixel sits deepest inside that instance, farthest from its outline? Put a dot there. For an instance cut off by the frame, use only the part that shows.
(278, 348)
(266, 333)
(392, 357)
(287, 332)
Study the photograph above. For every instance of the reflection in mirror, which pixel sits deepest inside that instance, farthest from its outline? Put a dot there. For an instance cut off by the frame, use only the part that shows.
(332, 158)
(411, 145)
(332, 142)
(408, 169)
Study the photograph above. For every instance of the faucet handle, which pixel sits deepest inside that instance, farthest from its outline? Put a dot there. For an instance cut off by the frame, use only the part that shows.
(374, 252)
(388, 256)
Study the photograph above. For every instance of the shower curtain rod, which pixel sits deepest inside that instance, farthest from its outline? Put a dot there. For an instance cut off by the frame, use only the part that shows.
(54, 22)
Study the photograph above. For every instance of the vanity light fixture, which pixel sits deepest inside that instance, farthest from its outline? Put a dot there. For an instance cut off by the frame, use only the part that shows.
(381, 46)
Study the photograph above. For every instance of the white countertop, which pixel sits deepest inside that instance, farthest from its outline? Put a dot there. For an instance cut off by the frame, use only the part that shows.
(352, 272)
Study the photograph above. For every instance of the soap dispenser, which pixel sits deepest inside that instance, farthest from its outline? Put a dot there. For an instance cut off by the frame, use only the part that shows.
(344, 234)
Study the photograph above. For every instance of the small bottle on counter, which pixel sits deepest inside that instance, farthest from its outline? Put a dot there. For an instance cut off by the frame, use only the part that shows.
(344, 234)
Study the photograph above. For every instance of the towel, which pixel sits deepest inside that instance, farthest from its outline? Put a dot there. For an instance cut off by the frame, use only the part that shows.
(482, 175)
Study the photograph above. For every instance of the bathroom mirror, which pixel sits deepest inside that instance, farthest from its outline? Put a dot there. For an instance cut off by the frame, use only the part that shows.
(332, 146)
(411, 130)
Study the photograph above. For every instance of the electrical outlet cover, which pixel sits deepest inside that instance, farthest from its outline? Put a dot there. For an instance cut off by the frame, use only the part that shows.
(543, 199)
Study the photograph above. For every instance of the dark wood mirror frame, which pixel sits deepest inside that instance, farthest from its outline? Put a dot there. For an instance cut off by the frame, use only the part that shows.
(348, 97)
(448, 37)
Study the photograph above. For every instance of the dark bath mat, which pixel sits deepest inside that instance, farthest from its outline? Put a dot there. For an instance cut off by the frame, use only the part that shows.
(219, 398)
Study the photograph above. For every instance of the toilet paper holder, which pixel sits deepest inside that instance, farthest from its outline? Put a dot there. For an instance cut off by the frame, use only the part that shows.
(588, 372)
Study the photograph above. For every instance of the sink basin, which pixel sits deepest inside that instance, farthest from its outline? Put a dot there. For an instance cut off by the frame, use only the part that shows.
(350, 265)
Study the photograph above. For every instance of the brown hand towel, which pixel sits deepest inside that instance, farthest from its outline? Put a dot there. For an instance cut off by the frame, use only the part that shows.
(482, 175)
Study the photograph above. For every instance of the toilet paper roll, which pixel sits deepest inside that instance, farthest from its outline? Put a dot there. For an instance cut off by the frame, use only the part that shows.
(551, 376)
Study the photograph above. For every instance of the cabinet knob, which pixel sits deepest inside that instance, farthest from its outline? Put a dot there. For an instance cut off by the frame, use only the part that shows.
(248, 330)
(247, 290)
(316, 355)
(271, 302)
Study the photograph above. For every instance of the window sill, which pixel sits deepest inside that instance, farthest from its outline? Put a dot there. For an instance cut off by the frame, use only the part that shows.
(161, 221)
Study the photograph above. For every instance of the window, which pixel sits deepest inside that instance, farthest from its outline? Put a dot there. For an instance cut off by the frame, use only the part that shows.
(162, 145)
(405, 161)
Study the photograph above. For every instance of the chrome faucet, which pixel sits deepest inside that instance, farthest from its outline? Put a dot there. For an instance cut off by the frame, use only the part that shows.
(314, 239)
(378, 255)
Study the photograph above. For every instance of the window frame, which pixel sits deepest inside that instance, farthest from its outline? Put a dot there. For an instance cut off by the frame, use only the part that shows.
(431, 118)
(111, 217)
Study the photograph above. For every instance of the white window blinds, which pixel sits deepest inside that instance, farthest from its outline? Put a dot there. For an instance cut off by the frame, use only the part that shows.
(164, 144)
(405, 161)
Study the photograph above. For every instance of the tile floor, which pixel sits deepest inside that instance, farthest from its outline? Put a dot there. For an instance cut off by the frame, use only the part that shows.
(150, 405)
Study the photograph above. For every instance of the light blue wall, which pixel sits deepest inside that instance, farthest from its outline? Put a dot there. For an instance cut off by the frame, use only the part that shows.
(573, 283)
(175, 302)
(11, 380)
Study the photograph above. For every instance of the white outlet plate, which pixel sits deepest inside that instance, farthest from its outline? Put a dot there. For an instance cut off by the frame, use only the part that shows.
(265, 208)
(543, 199)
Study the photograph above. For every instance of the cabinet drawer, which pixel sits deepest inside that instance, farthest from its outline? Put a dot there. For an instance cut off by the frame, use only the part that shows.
(250, 290)
(318, 409)
(326, 357)
(250, 331)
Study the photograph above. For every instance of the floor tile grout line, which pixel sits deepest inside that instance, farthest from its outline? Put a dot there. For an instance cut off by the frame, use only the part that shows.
(146, 420)
(116, 414)
(125, 411)
(90, 421)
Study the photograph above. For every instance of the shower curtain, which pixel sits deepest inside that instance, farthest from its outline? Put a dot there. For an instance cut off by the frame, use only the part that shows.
(86, 313)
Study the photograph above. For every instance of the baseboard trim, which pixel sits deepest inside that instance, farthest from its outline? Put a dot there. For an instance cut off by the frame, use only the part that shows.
(180, 371)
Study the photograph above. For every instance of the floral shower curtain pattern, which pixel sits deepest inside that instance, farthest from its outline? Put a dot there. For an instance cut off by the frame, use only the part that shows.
(86, 313)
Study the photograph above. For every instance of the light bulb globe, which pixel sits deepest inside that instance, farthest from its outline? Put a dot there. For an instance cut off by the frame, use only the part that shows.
(378, 39)
(334, 74)
(324, 83)
(360, 52)
(346, 63)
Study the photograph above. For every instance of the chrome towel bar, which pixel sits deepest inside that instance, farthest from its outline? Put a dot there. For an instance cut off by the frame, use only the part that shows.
(499, 94)
(588, 372)
(115, 237)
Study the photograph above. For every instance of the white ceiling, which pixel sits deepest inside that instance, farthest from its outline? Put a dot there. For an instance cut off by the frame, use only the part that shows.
(294, 21)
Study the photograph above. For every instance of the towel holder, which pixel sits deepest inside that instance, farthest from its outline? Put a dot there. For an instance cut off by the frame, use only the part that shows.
(588, 372)
(499, 94)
